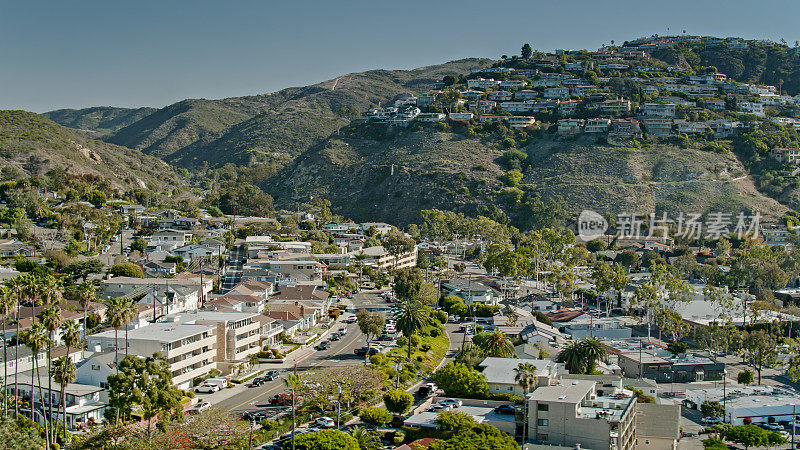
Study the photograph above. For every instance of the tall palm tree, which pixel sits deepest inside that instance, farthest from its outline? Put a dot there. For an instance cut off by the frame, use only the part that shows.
(52, 320)
(497, 344)
(526, 378)
(63, 372)
(360, 257)
(292, 382)
(35, 338)
(572, 355)
(128, 312)
(412, 319)
(7, 304)
(86, 295)
(70, 335)
(593, 351)
(17, 285)
(115, 308)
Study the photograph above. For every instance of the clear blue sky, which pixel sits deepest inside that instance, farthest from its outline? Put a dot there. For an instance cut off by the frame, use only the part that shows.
(71, 54)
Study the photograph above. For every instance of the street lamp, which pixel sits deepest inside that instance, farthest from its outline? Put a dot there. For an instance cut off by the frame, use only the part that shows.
(338, 405)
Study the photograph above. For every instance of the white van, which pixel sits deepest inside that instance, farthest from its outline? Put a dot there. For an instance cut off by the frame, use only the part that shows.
(222, 383)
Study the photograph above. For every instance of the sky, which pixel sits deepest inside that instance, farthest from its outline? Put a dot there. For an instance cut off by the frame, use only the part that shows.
(75, 54)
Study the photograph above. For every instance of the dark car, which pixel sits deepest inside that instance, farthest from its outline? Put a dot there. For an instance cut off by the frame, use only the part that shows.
(384, 337)
(258, 381)
(324, 345)
(362, 351)
(335, 337)
(281, 399)
(505, 409)
(271, 375)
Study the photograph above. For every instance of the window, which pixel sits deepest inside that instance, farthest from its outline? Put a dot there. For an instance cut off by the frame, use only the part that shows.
(542, 407)
(542, 422)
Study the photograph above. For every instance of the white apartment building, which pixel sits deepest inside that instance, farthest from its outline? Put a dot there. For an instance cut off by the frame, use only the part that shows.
(237, 333)
(754, 108)
(659, 109)
(190, 349)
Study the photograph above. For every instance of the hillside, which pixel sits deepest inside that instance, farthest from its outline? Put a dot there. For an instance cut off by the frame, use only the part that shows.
(271, 127)
(98, 121)
(35, 144)
(453, 172)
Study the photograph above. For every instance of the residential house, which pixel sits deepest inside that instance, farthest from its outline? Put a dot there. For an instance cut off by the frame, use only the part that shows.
(500, 374)
(470, 291)
(460, 117)
(658, 426)
(131, 209)
(431, 117)
(658, 127)
(754, 108)
(523, 95)
(584, 90)
(570, 126)
(556, 92)
(626, 128)
(519, 122)
(659, 109)
(482, 83)
(11, 248)
(500, 96)
(567, 107)
(614, 106)
(597, 125)
(790, 155)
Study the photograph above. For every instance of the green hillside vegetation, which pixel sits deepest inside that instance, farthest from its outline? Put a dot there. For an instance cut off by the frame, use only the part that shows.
(98, 121)
(33, 144)
(272, 127)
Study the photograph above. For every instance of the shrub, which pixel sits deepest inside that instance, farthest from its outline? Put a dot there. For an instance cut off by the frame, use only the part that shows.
(440, 316)
(375, 416)
(402, 341)
(435, 332)
(127, 270)
(190, 394)
(378, 359)
(326, 440)
(425, 347)
(398, 401)
(399, 437)
(414, 340)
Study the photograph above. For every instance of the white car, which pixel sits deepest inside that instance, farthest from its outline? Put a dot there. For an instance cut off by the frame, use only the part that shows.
(772, 426)
(451, 402)
(206, 388)
(711, 420)
(200, 407)
(325, 422)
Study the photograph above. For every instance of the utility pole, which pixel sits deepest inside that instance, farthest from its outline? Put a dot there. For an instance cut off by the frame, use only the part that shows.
(338, 405)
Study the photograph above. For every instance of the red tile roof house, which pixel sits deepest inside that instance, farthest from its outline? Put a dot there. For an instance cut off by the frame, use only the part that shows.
(419, 443)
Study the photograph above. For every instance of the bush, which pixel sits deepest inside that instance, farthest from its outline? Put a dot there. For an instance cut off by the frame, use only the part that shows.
(378, 359)
(326, 440)
(425, 347)
(375, 416)
(190, 394)
(454, 421)
(505, 397)
(414, 340)
(127, 270)
(398, 401)
(440, 317)
(399, 437)
(402, 341)
(435, 332)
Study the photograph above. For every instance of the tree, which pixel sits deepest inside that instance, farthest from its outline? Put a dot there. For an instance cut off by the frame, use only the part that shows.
(375, 416)
(86, 295)
(527, 51)
(8, 303)
(139, 245)
(326, 440)
(52, 320)
(413, 318)
(760, 349)
(458, 380)
(82, 269)
(572, 356)
(293, 382)
(397, 243)
(627, 258)
(127, 269)
(367, 440)
(35, 338)
(496, 344)
(63, 372)
(593, 351)
(18, 434)
(470, 355)
(370, 323)
(479, 437)
(454, 421)
(407, 283)
(398, 401)
(449, 80)
(712, 409)
(526, 378)
(751, 435)
(745, 377)
(676, 348)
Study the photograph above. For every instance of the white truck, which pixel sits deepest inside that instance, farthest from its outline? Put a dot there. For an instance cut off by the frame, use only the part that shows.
(221, 383)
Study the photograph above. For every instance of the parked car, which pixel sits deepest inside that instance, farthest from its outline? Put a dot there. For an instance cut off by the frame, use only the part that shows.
(200, 407)
(426, 389)
(771, 426)
(325, 422)
(437, 407)
(362, 351)
(258, 381)
(271, 375)
(281, 399)
(385, 337)
(451, 402)
(351, 319)
(505, 409)
(350, 296)
(324, 345)
(206, 388)
(335, 336)
(711, 420)
(342, 331)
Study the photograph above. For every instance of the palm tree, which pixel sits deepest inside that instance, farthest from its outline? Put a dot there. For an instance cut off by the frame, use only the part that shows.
(526, 378)
(412, 319)
(360, 257)
(86, 295)
(70, 335)
(365, 439)
(292, 382)
(7, 303)
(593, 351)
(497, 344)
(17, 285)
(63, 372)
(52, 320)
(35, 338)
(572, 355)
(129, 310)
(115, 308)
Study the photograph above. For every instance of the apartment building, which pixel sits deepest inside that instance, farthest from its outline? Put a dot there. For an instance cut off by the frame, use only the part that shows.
(597, 125)
(658, 127)
(377, 256)
(556, 92)
(572, 412)
(754, 108)
(500, 374)
(482, 83)
(570, 126)
(190, 349)
(237, 334)
(659, 109)
(615, 106)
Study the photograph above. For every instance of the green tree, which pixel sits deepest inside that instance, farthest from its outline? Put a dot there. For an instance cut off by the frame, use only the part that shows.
(712, 409)
(527, 51)
(370, 323)
(52, 320)
(496, 344)
(593, 351)
(454, 421)
(745, 377)
(19, 435)
(760, 350)
(35, 338)
(413, 318)
(676, 348)
(63, 372)
(572, 356)
(95, 197)
(375, 416)
(479, 437)
(294, 382)
(458, 380)
(139, 245)
(367, 440)
(127, 269)
(326, 440)
(398, 401)
(751, 435)
(82, 269)
(8, 304)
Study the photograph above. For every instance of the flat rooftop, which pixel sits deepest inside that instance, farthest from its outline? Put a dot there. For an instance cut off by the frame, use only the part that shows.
(479, 413)
(568, 392)
(161, 332)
